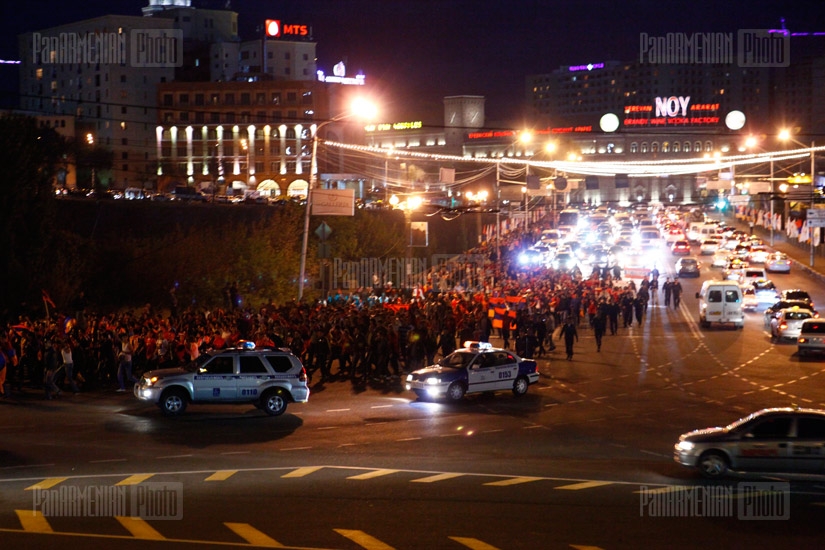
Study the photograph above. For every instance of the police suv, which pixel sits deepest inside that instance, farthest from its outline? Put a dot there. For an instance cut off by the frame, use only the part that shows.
(477, 367)
(267, 378)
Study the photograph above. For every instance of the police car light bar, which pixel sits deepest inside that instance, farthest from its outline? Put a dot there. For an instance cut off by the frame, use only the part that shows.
(469, 344)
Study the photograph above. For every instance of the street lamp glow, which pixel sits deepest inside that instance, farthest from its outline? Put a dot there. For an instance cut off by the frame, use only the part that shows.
(414, 202)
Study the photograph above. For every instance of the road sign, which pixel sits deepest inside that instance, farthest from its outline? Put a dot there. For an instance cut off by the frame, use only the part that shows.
(816, 217)
(323, 231)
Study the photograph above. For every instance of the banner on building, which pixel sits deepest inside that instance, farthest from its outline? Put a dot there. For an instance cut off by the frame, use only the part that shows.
(333, 202)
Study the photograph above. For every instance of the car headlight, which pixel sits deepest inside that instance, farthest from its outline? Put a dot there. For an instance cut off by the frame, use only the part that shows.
(150, 381)
(409, 378)
(685, 446)
(433, 380)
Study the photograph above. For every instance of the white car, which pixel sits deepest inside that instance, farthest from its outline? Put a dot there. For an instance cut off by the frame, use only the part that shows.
(709, 246)
(749, 300)
(758, 254)
(778, 262)
(720, 258)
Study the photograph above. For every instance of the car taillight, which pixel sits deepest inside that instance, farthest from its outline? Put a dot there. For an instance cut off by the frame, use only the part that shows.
(303, 376)
(783, 326)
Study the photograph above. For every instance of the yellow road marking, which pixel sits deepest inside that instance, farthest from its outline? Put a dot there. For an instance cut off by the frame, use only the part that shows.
(437, 477)
(33, 522)
(363, 540)
(253, 536)
(512, 481)
(301, 472)
(221, 475)
(374, 473)
(47, 483)
(584, 485)
(139, 528)
(475, 544)
(135, 479)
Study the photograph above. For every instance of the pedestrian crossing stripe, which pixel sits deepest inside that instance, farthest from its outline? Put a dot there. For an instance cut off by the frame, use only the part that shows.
(512, 481)
(301, 472)
(375, 473)
(253, 536)
(475, 544)
(434, 478)
(139, 528)
(584, 485)
(47, 483)
(221, 475)
(363, 540)
(33, 521)
(134, 479)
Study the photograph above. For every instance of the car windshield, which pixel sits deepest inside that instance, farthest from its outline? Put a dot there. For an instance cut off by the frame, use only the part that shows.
(193, 366)
(457, 360)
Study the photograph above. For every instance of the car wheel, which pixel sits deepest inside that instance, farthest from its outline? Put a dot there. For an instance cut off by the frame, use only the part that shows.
(274, 402)
(520, 386)
(456, 391)
(173, 402)
(713, 464)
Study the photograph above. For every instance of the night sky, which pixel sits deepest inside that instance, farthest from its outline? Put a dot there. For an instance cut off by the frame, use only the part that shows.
(417, 51)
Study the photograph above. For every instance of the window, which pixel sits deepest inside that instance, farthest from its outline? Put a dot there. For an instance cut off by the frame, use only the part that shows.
(714, 296)
(731, 296)
(654, 147)
(644, 147)
(697, 147)
(687, 147)
(708, 146)
(280, 363)
(810, 428)
(184, 99)
(772, 428)
(665, 147)
(252, 365)
(245, 98)
(276, 98)
(675, 146)
(634, 147)
(198, 99)
(167, 100)
(222, 364)
(229, 99)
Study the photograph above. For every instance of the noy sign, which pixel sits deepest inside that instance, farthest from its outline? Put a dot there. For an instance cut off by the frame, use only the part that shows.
(672, 106)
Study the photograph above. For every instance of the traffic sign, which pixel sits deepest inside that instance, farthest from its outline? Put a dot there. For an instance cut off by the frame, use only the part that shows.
(816, 217)
(323, 231)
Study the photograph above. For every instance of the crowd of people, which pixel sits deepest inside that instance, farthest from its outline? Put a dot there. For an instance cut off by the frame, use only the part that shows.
(369, 335)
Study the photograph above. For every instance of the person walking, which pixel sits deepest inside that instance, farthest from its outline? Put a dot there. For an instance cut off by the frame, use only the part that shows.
(676, 290)
(667, 289)
(124, 365)
(569, 333)
(600, 323)
(68, 365)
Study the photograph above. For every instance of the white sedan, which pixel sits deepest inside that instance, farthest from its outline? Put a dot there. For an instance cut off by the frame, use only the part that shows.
(709, 246)
(778, 263)
(720, 258)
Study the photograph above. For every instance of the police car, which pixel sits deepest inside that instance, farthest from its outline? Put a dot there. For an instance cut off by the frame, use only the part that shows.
(477, 367)
(266, 378)
(788, 440)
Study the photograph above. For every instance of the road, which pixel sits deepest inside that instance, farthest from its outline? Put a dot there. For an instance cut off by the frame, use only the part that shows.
(584, 460)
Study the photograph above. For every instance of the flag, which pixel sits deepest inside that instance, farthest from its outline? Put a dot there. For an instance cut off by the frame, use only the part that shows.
(47, 298)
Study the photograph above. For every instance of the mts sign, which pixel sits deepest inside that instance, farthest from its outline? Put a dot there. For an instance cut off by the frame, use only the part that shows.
(276, 29)
(672, 106)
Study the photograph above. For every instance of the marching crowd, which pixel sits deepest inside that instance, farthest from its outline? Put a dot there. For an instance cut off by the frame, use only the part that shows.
(366, 336)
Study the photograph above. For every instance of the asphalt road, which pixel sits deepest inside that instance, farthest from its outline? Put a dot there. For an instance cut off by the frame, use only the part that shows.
(584, 460)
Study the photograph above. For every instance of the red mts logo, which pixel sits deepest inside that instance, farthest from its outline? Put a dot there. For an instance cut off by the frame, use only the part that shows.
(276, 29)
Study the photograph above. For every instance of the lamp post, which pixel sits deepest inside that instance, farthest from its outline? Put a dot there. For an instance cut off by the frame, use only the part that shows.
(785, 135)
(360, 108)
(750, 143)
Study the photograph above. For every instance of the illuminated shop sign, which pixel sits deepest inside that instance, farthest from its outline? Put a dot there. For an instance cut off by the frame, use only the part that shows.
(511, 134)
(415, 125)
(672, 111)
(276, 29)
(588, 67)
(339, 76)
(572, 130)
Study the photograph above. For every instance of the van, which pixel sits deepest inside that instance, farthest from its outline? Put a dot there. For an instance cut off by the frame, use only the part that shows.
(721, 302)
(698, 232)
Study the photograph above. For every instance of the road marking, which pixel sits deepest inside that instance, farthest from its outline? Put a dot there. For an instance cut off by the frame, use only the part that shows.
(301, 472)
(363, 540)
(434, 478)
(583, 485)
(374, 473)
(580, 547)
(337, 410)
(174, 456)
(105, 461)
(475, 544)
(253, 536)
(512, 481)
(139, 528)
(46, 483)
(382, 406)
(221, 475)
(134, 479)
(33, 521)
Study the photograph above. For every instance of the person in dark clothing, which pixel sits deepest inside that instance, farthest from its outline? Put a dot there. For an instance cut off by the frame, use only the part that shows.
(600, 324)
(639, 307)
(569, 333)
(613, 311)
(676, 290)
(667, 288)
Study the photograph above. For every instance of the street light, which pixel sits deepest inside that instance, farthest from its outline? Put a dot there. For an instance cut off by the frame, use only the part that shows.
(785, 135)
(359, 108)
